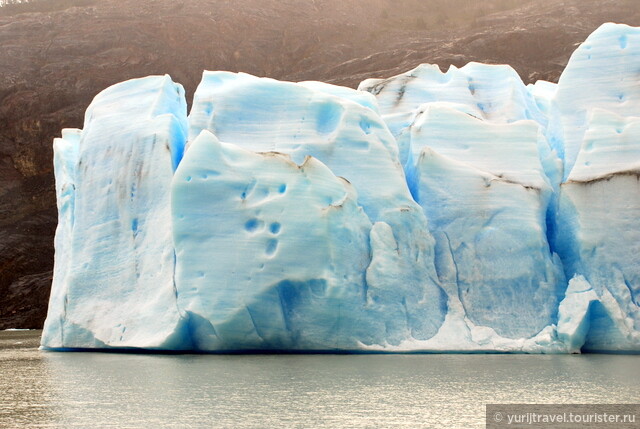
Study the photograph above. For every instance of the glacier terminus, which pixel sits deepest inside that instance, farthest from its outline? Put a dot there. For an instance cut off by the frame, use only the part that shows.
(457, 211)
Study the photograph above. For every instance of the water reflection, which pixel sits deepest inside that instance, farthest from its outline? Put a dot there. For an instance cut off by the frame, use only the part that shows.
(113, 390)
(25, 389)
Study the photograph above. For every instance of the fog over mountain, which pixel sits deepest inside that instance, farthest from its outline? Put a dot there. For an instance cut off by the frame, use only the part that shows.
(58, 54)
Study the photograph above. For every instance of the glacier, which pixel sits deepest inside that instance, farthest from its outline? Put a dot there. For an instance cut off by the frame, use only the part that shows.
(456, 211)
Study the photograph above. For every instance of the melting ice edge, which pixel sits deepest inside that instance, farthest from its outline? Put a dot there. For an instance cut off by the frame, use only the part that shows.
(454, 212)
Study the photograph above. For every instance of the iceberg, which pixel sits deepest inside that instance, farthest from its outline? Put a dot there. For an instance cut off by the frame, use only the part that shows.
(457, 211)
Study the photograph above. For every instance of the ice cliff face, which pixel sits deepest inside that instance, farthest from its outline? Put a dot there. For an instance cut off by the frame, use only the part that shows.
(457, 211)
(114, 283)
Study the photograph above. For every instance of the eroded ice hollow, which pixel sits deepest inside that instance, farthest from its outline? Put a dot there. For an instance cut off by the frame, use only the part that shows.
(456, 211)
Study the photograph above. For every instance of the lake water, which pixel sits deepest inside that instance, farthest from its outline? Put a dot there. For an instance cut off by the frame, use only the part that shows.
(61, 390)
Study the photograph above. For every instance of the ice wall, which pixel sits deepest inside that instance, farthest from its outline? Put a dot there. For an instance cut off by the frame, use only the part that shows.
(430, 211)
(599, 227)
(489, 211)
(114, 263)
(336, 127)
(602, 73)
(268, 251)
(597, 103)
(478, 162)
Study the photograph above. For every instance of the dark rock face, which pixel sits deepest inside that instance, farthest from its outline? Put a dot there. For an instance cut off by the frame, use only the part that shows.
(57, 54)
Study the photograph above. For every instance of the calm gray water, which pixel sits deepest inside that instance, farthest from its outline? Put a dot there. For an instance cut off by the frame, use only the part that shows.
(61, 390)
